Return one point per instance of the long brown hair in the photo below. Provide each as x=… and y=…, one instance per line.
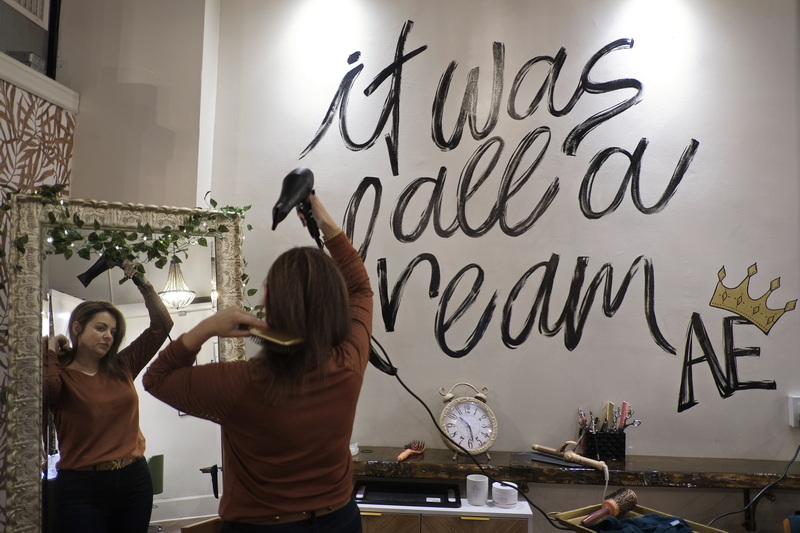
x=306, y=296
x=83, y=314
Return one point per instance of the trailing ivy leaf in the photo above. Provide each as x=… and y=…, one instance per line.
x=160, y=246
x=20, y=243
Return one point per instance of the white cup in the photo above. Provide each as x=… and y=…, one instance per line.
x=504, y=495
x=477, y=489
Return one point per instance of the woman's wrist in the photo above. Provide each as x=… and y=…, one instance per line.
x=194, y=339
x=330, y=234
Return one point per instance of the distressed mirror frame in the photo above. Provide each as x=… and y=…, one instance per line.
x=25, y=450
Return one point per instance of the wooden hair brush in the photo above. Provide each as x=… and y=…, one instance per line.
x=619, y=502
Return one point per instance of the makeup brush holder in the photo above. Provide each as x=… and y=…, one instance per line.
x=605, y=446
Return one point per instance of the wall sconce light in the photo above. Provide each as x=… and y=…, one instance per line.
x=176, y=293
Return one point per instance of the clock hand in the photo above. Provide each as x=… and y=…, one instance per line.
x=471, y=436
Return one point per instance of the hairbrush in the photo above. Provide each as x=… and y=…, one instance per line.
x=619, y=502
x=276, y=340
x=415, y=446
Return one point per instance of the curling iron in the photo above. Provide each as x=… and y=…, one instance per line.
x=571, y=456
x=297, y=185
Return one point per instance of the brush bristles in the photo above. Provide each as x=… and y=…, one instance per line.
x=618, y=502
x=625, y=499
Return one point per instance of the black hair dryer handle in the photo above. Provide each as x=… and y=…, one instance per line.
x=311, y=224
x=213, y=469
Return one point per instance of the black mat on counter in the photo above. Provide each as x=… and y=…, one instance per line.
x=407, y=492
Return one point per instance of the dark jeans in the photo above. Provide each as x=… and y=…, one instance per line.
x=109, y=501
x=345, y=520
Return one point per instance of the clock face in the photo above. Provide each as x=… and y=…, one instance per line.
x=470, y=424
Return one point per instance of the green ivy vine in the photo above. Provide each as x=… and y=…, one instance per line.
x=69, y=235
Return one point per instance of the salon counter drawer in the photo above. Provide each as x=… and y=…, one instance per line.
x=382, y=522
x=473, y=524
x=465, y=519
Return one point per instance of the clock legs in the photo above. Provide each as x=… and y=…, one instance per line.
x=488, y=457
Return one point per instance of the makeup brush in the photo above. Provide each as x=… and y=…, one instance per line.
x=619, y=502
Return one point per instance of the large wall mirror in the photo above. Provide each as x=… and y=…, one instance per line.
x=27, y=291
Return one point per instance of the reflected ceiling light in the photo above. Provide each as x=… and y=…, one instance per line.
x=176, y=293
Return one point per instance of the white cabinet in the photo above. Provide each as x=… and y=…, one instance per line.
x=465, y=519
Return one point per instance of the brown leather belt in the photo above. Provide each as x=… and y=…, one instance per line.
x=116, y=464
x=305, y=515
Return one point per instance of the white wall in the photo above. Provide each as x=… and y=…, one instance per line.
x=137, y=66
x=721, y=72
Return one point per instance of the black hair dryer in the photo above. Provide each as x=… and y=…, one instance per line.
x=297, y=186
x=100, y=266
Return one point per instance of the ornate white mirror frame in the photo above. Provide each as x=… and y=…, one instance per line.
x=25, y=449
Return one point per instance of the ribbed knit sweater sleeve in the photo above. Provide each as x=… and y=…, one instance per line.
x=137, y=354
x=207, y=391
x=360, y=294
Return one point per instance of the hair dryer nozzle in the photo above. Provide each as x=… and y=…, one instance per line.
x=93, y=271
x=100, y=266
x=296, y=187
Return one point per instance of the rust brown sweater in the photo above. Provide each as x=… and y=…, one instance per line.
x=97, y=417
x=277, y=459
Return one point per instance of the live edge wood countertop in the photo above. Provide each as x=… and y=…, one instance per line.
x=635, y=470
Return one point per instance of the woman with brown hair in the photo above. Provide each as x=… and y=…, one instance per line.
x=103, y=483
x=286, y=414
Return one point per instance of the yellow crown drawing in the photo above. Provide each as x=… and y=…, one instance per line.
x=738, y=300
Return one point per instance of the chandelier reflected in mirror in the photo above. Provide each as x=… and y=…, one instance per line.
x=176, y=293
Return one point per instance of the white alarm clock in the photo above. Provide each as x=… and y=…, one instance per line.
x=468, y=423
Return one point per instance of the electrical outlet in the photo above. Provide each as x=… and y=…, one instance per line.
x=794, y=411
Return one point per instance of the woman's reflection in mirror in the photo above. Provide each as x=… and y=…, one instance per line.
x=103, y=483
